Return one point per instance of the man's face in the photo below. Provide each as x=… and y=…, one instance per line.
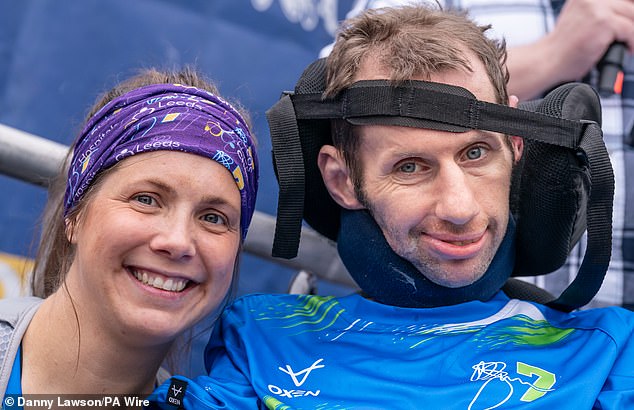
x=441, y=199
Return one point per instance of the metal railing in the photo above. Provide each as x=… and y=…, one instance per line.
x=36, y=160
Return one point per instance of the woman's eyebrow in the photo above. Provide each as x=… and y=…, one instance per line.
x=208, y=199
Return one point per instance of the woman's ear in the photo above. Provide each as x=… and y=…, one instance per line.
x=69, y=229
x=337, y=179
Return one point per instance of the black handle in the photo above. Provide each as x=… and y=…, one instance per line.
x=611, y=70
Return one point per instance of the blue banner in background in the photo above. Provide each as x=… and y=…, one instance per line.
x=56, y=57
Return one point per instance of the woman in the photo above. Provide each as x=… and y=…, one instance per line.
x=160, y=191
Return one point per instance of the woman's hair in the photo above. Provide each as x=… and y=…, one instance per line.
x=440, y=40
x=55, y=253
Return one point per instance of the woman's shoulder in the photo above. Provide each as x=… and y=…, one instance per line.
x=13, y=309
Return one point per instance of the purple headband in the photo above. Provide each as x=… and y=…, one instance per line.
x=169, y=117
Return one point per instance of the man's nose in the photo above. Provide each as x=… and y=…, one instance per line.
x=455, y=199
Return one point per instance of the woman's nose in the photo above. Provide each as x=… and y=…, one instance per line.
x=174, y=237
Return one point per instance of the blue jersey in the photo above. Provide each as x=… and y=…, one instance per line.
x=312, y=352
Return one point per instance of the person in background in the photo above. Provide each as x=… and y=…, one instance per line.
x=553, y=42
x=160, y=188
x=427, y=230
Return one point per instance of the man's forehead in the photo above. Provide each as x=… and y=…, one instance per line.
x=477, y=81
x=405, y=137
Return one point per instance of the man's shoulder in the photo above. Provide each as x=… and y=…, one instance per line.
x=611, y=316
x=615, y=322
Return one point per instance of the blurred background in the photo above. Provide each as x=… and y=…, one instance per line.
x=56, y=57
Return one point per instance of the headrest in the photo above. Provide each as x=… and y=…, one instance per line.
x=562, y=186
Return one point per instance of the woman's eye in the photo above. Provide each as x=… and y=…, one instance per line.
x=214, y=219
x=144, y=199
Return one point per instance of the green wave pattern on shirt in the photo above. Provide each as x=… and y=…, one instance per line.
x=524, y=331
x=272, y=403
x=518, y=323
x=518, y=330
x=313, y=313
x=520, y=327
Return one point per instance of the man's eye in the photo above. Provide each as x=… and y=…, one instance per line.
x=408, y=167
x=474, y=153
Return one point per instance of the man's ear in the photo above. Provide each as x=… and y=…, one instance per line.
x=337, y=179
x=516, y=142
x=518, y=147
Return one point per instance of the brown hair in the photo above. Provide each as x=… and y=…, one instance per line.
x=409, y=41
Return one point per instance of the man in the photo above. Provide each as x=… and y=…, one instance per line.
x=426, y=230
x=578, y=35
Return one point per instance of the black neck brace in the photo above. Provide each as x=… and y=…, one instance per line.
x=389, y=279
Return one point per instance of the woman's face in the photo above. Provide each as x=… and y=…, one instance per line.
x=156, y=245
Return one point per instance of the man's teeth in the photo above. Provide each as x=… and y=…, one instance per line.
x=461, y=243
x=172, y=285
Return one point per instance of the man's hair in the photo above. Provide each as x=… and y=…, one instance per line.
x=408, y=41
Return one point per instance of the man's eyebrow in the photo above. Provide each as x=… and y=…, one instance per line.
x=486, y=135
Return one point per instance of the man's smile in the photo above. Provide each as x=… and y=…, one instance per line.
x=453, y=247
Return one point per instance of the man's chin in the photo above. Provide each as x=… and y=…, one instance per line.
x=453, y=276
x=454, y=283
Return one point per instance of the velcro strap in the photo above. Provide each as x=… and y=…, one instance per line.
x=599, y=224
x=290, y=173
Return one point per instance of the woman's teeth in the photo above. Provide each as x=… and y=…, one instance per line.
x=172, y=285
